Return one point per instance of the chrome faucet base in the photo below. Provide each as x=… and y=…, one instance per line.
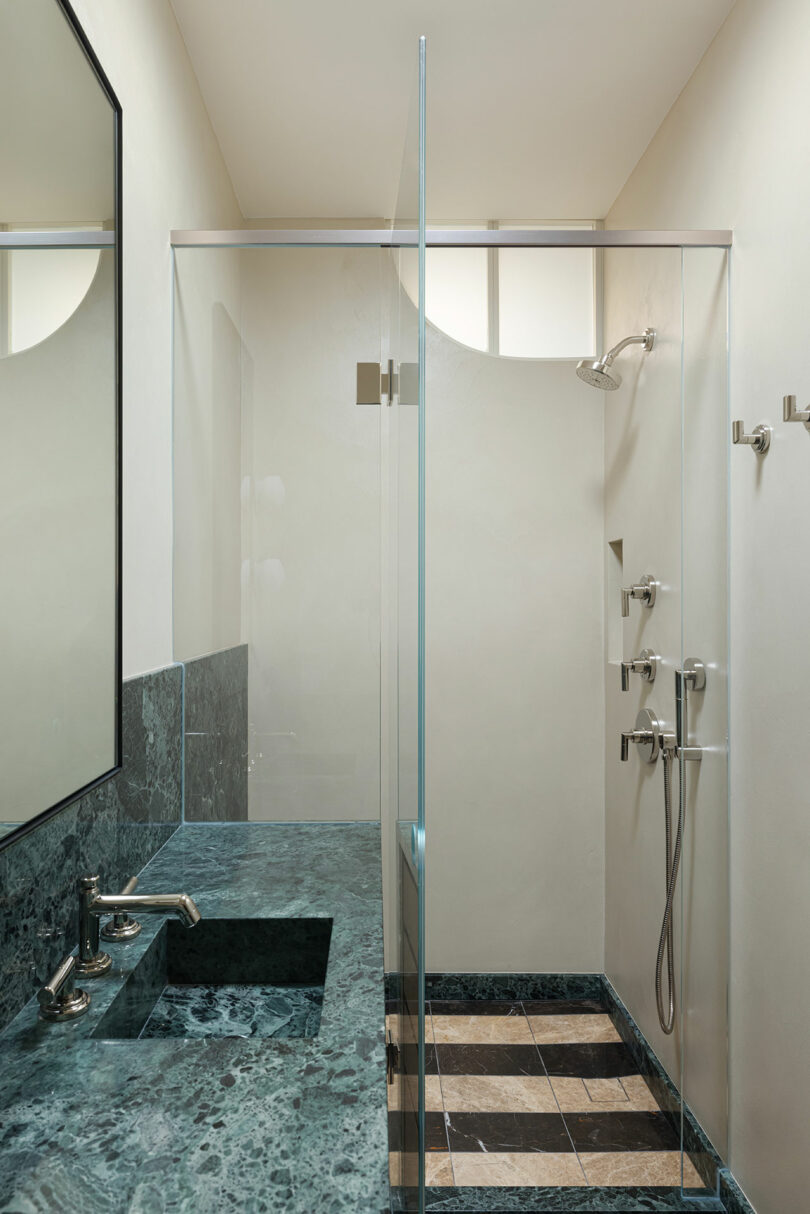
x=59, y=999
x=67, y=1007
x=122, y=926
x=99, y=963
x=116, y=932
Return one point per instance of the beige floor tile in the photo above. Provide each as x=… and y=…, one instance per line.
x=403, y=1168
x=602, y=1090
x=498, y=1094
x=438, y=1169
x=561, y=1029
x=640, y=1096
x=574, y=1097
x=482, y=1030
x=404, y=1092
x=637, y=1168
x=529, y=1168
x=404, y=1029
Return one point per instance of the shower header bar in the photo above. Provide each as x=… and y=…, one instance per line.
x=93, y=238
x=454, y=238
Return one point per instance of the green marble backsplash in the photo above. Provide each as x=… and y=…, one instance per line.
x=216, y=730
x=113, y=831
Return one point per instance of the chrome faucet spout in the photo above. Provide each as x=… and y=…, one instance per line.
x=93, y=905
x=147, y=904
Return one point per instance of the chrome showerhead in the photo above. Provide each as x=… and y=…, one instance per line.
x=596, y=374
x=599, y=372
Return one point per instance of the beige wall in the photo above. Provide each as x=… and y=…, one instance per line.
x=311, y=532
x=515, y=721
x=732, y=152
x=647, y=513
x=207, y=419
x=174, y=177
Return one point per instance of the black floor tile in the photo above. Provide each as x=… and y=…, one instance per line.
x=409, y=1059
x=475, y=1007
x=489, y=1060
x=591, y=1060
x=564, y=1007
x=402, y=1132
x=621, y=1132
x=507, y=1132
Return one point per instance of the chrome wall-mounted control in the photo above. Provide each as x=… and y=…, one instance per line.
x=644, y=590
x=60, y=999
x=122, y=926
x=649, y=735
x=691, y=678
x=645, y=665
x=759, y=439
x=791, y=414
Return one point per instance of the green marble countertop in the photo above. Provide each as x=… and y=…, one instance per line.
x=230, y=1124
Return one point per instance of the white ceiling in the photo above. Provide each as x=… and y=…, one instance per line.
x=536, y=108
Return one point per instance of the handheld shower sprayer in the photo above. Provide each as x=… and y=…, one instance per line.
x=598, y=372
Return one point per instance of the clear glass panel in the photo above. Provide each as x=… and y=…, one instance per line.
x=704, y=874
x=277, y=514
x=405, y=675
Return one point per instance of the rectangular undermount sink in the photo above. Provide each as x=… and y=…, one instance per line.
x=225, y=978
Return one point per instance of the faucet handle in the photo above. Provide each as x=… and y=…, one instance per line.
x=122, y=926
x=759, y=439
x=791, y=414
x=645, y=665
x=644, y=590
x=648, y=735
x=59, y=999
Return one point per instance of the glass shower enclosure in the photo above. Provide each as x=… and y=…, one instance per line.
x=334, y=534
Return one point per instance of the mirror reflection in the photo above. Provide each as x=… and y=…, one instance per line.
x=58, y=415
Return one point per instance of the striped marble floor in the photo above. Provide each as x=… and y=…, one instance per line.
x=538, y=1094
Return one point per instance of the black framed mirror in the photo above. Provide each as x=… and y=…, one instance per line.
x=60, y=416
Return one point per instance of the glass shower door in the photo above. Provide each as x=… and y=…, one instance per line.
x=405, y=820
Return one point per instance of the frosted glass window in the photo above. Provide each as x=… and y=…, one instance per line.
x=520, y=303
x=456, y=294
x=546, y=303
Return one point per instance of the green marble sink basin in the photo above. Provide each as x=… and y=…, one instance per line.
x=225, y=978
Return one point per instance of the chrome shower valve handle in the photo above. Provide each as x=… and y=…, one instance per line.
x=645, y=665
x=649, y=735
x=644, y=590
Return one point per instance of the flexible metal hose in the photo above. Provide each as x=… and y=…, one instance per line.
x=673, y=862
